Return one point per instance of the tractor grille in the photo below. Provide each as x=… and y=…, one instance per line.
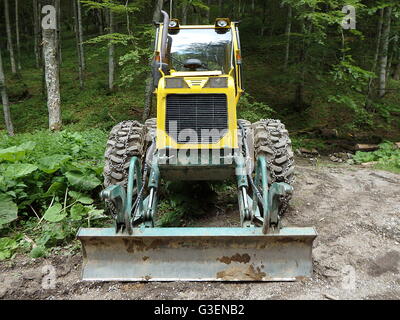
x=206, y=115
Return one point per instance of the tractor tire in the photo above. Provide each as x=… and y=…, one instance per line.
x=271, y=139
x=125, y=141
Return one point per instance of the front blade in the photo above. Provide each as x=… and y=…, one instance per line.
x=196, y=254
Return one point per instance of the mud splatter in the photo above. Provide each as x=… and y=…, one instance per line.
x=241, y=258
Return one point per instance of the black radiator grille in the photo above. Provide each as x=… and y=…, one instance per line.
x=197, y=112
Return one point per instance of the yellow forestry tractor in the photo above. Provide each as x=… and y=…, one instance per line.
x=197, y=72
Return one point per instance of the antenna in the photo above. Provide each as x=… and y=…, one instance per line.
x=170, y=8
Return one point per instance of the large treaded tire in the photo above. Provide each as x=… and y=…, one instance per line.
x=125, y=141
x=271, y=139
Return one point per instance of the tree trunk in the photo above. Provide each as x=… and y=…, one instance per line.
x=148, y=101
x=17, y=34
x=78, y=48
x=58, y=33
x=9, y=37
x=81, y=36
x=288, y=30
x=384, y=51
x=299, y=93
x=368, y=102
x=52, y=78
x=111, y=53
x=99, y=14
x=36, y=32
x=396, y=75
x=208, y=11
x=4, y=99
x=184, y=13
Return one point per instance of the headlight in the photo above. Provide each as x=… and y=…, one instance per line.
x=175, y=83
x=217, y=83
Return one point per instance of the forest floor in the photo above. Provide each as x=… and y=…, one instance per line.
x=354, y=209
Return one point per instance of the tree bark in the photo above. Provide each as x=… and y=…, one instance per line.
x=288, y=30
x=384, y=51
x=9, y=37
x=17, y=34
x=4, y=99
x=52, y=78
x=83, y=63
x=368, y=102
x=148, y=101
x=111, y=53
x=58, y=31
x=36, y=32
x=184, y=13
x=78, y=48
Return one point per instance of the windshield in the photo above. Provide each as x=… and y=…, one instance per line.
x=200, y=50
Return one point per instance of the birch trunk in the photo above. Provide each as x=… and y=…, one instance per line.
x=288, y=30
x=4, y=99
x=52, y=78
x=9, y=37
x=111, y=53
x=17, y=34
x=78, y=51
x=384, y=51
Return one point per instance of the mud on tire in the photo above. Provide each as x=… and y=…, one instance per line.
x=125, y=141
x=271, y=139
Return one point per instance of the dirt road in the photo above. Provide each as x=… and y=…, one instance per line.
x=355, y=210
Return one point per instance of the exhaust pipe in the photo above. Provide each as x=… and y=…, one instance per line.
x=164, y=36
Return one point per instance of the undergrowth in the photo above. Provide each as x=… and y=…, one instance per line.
x=387, y=157
x=48, y=186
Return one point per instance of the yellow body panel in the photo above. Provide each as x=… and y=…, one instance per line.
x=233, y=92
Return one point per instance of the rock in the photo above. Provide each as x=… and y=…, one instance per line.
x=308, y=151
x=397, y=145
x=333, y=158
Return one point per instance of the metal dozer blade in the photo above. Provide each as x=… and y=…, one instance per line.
x=260, y=250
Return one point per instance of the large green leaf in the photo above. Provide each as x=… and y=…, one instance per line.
x=80, y=197
x=19, y=170
x=55, y=213
x=7, y=246
x=82, y=180
x=79, y=211
x=16, y=153
x=8, y=210
x=52, y=163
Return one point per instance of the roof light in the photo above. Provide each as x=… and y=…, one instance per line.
x=173, y=23
x=222, y=23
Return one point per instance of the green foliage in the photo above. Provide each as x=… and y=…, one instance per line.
x=47, y=185
x=7, y=247
x=387, y=157
x=251, y=110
